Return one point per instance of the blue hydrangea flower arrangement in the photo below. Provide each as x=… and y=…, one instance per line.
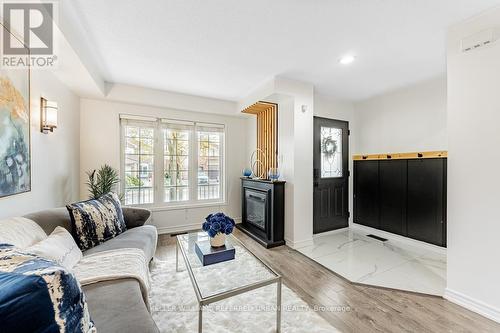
x=218, y=223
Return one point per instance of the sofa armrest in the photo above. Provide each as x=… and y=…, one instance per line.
x=135, y=217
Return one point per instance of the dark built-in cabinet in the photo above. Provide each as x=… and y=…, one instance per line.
x=366, y=193
x=393, y=180
x=404, y=197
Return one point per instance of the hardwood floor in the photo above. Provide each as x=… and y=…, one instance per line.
x=370, y=309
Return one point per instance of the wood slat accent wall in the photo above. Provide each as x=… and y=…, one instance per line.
x=401, y=156
x=267, y=134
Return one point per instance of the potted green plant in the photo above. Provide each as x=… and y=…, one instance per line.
x=102, y=181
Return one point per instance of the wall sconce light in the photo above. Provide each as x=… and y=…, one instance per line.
x=48, y=115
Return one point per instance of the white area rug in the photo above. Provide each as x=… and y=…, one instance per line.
x=174, y=307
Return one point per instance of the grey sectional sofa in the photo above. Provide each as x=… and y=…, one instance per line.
x=115, y=306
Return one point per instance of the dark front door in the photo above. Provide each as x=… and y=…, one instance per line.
x=331, y=174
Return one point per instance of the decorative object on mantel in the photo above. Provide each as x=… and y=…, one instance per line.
x=15, y=150
x=258, y=160
x=102, y=181
x=247, y=172
x=217, y=226
x=274, y=174
x=48, y=115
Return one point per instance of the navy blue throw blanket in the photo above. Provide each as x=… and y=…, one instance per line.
x=37, y=295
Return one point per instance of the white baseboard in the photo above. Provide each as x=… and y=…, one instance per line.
x=299, y=244
x=178, y=229
x=184, y=227
x=472, y=304
x=398, y=238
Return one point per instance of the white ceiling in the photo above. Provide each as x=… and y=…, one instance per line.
x=226, y=48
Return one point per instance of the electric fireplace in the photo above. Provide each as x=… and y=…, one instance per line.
x=263, y=211
x=256, y=208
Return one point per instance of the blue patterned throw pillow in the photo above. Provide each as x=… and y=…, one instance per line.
x=36, y=295
x=96, y=221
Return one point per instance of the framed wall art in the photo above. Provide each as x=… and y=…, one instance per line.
x=15, y=140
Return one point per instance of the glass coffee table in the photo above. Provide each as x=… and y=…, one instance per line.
x=244, y=273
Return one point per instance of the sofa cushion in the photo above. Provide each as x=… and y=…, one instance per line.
x=36, y=295
x=20, y=232
x=135, y=217
x=59, y=247
x=96, y=221
x=49, y=219
x=117, y=307
x=144, y=237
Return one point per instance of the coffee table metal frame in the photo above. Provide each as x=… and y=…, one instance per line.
x=203, y=301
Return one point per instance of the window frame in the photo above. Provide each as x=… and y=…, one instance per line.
x=222, y=167
x=141, y=123
x=159, y=124
x=165, y=126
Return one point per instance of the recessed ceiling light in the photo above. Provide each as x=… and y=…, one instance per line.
x=346, y=60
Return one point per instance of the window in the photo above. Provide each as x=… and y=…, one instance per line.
x=209, y=164
x=331, y=152
x=171, y=162
x=176, y=164
x=139, y=164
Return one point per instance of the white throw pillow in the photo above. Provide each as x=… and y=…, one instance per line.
x=20, y=232
x=59, y=247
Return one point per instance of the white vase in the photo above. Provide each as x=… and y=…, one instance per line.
x=219, y=240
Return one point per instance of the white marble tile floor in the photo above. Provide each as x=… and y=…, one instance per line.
x=390, y=264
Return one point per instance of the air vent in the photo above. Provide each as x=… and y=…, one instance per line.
x=480, y=39
x=177, y=234
x=377, y=238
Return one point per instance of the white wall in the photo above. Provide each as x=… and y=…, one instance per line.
x=286, y=143
x=54, y=157
x=295, y=149
x=327, y=107
x=473, y=178
x=303, y=162
x=100, y=144
x=407, y=120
